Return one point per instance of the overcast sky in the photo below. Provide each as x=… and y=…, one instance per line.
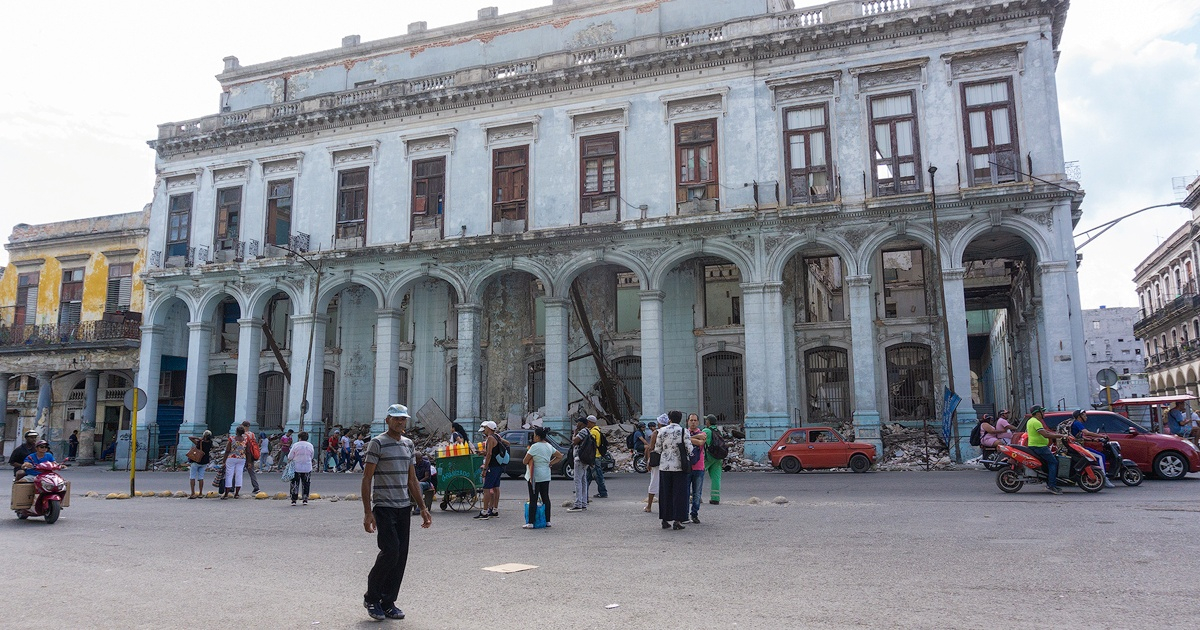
x=85, y=84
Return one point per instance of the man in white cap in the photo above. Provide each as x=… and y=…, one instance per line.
x=389, y=491
x=495, y=449
x=17, y=458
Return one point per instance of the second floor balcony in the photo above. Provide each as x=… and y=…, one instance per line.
x=1179, y=309
x=82, y=334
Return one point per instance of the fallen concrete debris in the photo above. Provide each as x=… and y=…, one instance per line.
x=913, y=448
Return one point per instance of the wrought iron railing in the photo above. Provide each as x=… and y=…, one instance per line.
x=68, y=334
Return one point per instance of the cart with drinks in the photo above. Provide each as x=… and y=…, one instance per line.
x=459, y=478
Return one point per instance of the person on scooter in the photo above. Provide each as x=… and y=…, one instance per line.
x=1079, y=432
x=1038, y=440
x=41, y=453
x=17, y=458
x=1000, y=432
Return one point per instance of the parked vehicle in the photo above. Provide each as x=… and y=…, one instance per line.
x=819, y=447
x=47, y=495
x=1077, y=467
x=1162, y=455
x=1118, y=467
x=519, y=441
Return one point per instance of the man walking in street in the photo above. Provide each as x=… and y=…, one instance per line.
x=302, y=460
x=581, y=486
x=712, y=465
x=389, y=491
x=1039, y=442
x=252, y=454
x=597, y=469
x=493, y=449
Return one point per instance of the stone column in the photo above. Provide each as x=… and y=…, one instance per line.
x=558, y=319
x=301, y=359
x=467, y=398
x=1058, y=352
x=653, y=383
x=959, y=357
x=862, y=334
x=87, y=428
x=245, y=406
x=195, y=392
x=387, y=367
x=316, y=377
x=148, y=375
x=45, y=397
x=766, y=391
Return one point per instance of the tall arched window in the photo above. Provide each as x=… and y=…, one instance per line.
x=910, y=382
x=270, y=400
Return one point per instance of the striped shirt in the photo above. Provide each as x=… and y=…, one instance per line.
x=392, y=459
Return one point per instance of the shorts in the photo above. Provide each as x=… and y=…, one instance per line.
x=492, y=478
x=195, y=471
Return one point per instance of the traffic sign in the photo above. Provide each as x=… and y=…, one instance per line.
x=1106, y=377
x=141, y=399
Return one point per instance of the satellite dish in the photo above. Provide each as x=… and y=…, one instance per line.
x=1106, y=377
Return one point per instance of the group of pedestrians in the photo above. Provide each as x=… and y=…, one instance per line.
x=679, y=459
x=344, y=451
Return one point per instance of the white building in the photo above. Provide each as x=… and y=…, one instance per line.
x=736, y=195
x=1112, y=345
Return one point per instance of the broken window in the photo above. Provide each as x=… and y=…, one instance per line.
x=910, y=382
x=402, y=385
x=70, y=305
x=696, y=167
x=539, y=308
x=824, y=297
x=279, y=212
x=537, y=386
x=429, y=186
x=179, y=222
x=510, y=180
x=904, y=291
x=328, y=392
x=807, y=140
x=229, y=313
x=27, y=299
x=229, y=211
x=120, y=288
x=629, y=303
x=722, y=295
x=895, y=145
x=278, y=313
x=991, y=132
x=599, y=174
x=331, y=323
x=352, y=203
x=827, y=384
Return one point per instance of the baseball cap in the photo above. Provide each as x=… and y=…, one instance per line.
x=1036, y=409
x=398, y=411
x=31, y=432
x=488, y=424
x=591, y=419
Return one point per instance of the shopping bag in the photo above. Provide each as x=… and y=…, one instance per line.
x=289, y=471
x=539, y=519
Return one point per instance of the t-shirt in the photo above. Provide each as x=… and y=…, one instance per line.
x=541, y=452
x=1175, y=421
x=206, y=448
x=301, y=456
x=33, y=458
x=1077, y=428
x=236, y=449
x=596, y=436
x=392, y=458
x=285, y=444
x=345, y=442
x=358, y=445
x=1034, y=438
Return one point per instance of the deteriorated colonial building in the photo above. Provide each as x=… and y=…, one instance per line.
x=70, y=313
x=725, y=206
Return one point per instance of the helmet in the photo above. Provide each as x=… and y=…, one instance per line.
x=41, y=443
x=1077, y=413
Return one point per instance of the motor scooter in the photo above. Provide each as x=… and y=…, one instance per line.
x=991, y=458
x=50, y=491
x=639, y=462
x=1118, y=468
x=1076, y=467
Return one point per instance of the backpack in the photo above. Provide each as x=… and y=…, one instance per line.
x=602, y=447
x=976, y=434
x=587, y=449
x=500, y=452
x=717, y=448
x=252, y=448
x=630, y=442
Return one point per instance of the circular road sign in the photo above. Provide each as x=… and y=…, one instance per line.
x=1106, y=377
x=141, y=399
x=1108, y=393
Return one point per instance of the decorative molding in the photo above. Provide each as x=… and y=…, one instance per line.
x=1045, y=219
x=950, y=229
x=386, y=276
x=28, y=263
x=183, y=179
x=772, y=243
x=594, y=34
x=71, y=259
x=745, y=244
x=279, y=164
x=688, y=104
x=228, y=173
x=650, y=255
x=553, y=262
x=354, y=153
x=468, y=269
x=609, y=115
x=437, y=141
x=1052, y=266
x=996, y=216
x=196, y=292
x=806, y=86
x=985, y=61
x=856, y=237
x=877, y=77
x=502, y=131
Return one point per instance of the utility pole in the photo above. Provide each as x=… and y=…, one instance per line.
x=937, y=252
x=312, y=328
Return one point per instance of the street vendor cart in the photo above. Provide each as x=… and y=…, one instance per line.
x=460, y=481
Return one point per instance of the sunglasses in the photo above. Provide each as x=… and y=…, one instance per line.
x=42, y=446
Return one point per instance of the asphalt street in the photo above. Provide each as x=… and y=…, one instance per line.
x=876, y=550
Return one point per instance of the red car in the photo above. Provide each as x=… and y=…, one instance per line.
x=819, y=447
x=1165, y=456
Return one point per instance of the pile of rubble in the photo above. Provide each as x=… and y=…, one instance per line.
x=623, y=458
x=913, y=448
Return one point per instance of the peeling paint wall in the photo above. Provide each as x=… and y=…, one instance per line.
x=356, y=331
x=508, y=307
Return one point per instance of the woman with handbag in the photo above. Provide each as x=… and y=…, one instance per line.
x=198, y=458
x=652, y=460
x=235, y=463
x=674, y=451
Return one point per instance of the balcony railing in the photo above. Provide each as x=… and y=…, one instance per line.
x=1185, y=302
x=68, y=334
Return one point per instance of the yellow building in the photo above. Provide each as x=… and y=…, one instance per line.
x=70, y=326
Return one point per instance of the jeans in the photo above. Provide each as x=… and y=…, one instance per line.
x=696, y=483
x=539, y=489
x=596, y=473
x=301, y=482
x=328, y=456
x=392, y=527
x=196, y=471
x=581, y=489
x=253, y=476
x=1051, y=462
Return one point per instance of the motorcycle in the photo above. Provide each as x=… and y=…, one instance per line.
x=49, y=492
x=1076, y=467
x=1119, y=468
x=992, y=459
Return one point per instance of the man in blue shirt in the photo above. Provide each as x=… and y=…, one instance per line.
x=1178, y=422
x=41, y=453
x=1079, y=432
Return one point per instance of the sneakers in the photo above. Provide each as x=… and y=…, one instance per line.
x=715, y=501
x=306, y=502
x=548, y=526
x=696, y=519
x=1054, y=489
x=391, y=612
x=1109, y=484
x=482, y=516
x=527, y=526
x=600, y=496
x=493, y=514
x=577, y=509
x=293, y=503
x=375, y=610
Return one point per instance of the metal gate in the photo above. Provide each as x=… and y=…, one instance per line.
x=910, y=382
x=402, y=388
x=270, y=400
x=827, y=385
x=724, y=387
x=537, y=386
x=629, y=372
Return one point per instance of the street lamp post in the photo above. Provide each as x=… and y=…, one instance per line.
x=937, y=253
x=312, y=328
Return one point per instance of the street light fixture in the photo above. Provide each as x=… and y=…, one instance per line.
x=941, y=280
x=312, y=328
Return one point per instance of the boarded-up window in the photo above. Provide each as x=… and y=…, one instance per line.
x=352, y=204
x=599, y=173
x=696, y=160
x=537, y=386
x=910, y=382
x=429, y=186
x=70, y=304
x=179, y=224
x=27, y=299
x=510, y=181
x=120, y=287
x=270, y=400
x=279, y=212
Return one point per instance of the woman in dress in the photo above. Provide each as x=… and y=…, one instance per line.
x=673, y=474
x=235, y=463
x=539, y=459
x=196, y=469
